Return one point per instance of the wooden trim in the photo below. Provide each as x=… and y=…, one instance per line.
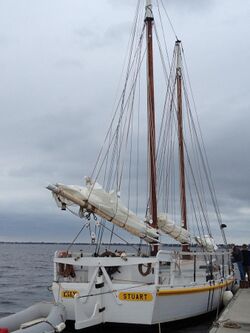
x=188, y=290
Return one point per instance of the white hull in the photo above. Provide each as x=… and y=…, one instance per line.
x=169, y=292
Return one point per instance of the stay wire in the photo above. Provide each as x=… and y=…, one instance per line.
x=112, y=139
x=121, y=238
x=128, y=128
x=115, y=290
x=196, y=159
x=120, y=100
x=170, y=22
x=205, y=155
x=71, y=244
x=205, y=168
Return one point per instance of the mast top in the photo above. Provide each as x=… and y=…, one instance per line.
x=178, y=50
x=149, y=12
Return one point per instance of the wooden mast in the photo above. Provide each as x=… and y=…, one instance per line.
x=149, y=19
x=183, y=202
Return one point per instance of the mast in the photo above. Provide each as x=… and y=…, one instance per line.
x=183, y=202
x=149, y=19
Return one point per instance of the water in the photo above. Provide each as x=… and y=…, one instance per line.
x=26, y=272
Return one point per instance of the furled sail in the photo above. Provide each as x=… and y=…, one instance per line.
x=93, y=198
x=169, y=227
x=207, y=242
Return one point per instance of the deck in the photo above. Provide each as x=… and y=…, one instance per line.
x=236, y=316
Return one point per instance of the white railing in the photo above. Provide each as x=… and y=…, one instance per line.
x=192, y=266
x=168, y=267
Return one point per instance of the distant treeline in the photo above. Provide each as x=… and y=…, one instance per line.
x=104, y=244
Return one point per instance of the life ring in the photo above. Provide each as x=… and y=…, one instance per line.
x=148, y=270
x=65, y=270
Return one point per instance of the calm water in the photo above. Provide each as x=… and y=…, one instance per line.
x=26, y=272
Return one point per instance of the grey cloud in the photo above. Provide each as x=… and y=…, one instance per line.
x=114, y=34
x=69, y=63
x=183, y=5
x=128, y=3
x=58, y=80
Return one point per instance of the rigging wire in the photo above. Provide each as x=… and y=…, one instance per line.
x=119, y=139
x=73, y=241
x=113, y=137
x=192, y=172
x=132, y=36
x=163, y=33
x=138, y=145
x=128, y=128
x=205, y=159
x=201, y=200
x=124, y=240
x=170, y=22
x=196, y=160
x=114, y=290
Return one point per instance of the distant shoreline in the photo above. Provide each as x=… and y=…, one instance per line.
x=53, y=243
x=104, y=244
x=66, y=243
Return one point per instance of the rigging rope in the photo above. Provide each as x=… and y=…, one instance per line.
x=202, y=149
x=117, y=160
x=170, y=23
x=71, y=244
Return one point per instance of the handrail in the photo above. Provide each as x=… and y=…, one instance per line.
x=193, y=253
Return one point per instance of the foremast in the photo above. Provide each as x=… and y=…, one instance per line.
x=149, y=19
x=183, y=201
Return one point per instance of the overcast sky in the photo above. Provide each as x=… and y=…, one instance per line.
x=60, y=64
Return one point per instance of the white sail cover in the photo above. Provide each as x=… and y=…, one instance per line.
x=104, y=204
x=169, y=227
x=207, y=243
x=109, y=206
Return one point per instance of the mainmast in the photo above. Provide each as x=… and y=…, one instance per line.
x=183, y=202
x=149, y=19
